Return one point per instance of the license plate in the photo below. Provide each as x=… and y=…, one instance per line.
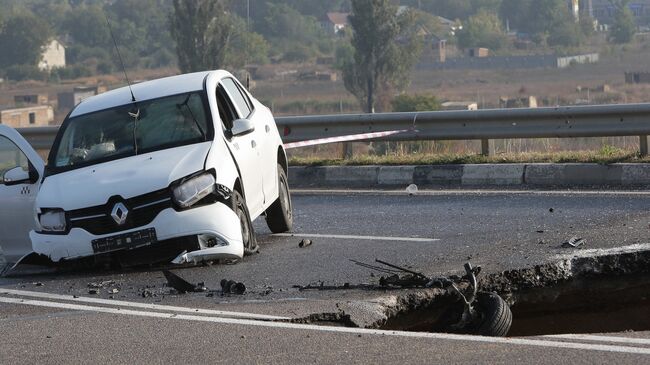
x=125, y=241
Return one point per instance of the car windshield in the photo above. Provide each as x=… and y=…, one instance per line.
x=132, y=129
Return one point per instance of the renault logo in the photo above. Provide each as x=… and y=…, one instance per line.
x=119, y=214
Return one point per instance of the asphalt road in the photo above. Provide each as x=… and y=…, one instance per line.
x=433, y=232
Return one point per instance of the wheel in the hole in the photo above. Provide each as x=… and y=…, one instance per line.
x=495, y=315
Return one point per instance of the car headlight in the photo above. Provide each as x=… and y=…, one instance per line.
x=53, y=221
x=194, y=190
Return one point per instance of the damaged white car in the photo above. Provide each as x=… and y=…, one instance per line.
x=177, y=167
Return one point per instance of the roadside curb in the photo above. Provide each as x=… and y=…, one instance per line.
x=543, y=174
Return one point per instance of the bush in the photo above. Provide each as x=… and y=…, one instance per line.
x=105, y=67
x=72, y=72
x=25, y=72
x=415, y=103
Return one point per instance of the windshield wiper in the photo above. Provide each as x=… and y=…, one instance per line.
x=196, y=122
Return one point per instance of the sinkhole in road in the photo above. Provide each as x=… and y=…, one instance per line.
x=595, y=291
x=599, y=304
x=585, y=305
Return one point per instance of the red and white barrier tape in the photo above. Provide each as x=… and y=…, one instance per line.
x=355, y=137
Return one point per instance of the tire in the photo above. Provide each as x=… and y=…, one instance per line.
x=496, y=317
x=238, y=205
x=279, y=216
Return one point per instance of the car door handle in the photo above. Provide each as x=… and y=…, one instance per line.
x=253, y=144
x=267, y=128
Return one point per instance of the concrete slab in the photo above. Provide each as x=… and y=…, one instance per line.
x=353, y=176
x=306, y=176
x=438, y=175
x=635, y=174
x=396, y=175
x=544, y=174
x=490, y=175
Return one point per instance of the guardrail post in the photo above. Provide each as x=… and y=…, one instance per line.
x=643, y=144
x=487, y=147
x=347, y=150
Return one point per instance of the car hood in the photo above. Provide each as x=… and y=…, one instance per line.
x=128, y=177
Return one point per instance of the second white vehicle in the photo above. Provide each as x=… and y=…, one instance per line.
x=182, y=165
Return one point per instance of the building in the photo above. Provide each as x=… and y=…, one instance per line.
x=31, y=99
x=53, y=56
x=604, y=11
x=335, y=22
x=33, y=116
x=68, y=100
x=637, y=77
x=524, y=102
x=459, y=105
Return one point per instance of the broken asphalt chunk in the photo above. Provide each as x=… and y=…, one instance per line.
x=304, y=243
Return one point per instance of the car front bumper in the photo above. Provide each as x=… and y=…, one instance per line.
x=216, y=220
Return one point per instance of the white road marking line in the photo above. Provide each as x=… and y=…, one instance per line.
x=351, y=330
x=453, y=192
x=351, y=237
x=638, y=341
x=122, y=303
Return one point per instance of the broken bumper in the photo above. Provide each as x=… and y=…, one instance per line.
x=216, y=220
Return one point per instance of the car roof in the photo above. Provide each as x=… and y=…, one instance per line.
x=147, y=90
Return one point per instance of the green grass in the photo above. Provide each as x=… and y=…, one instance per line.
x=601, y=157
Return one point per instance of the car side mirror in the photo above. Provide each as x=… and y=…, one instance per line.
x=16, y=176
x=242, y=127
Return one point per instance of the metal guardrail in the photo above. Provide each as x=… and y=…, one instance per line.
x=560, y=122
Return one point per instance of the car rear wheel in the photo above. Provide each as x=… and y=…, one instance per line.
x=279, y=216
x=247, y=232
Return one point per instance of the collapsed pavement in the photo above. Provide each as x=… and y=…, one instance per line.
x=580, y=290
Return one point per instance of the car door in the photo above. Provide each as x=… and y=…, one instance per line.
x=244, y=148
x=21, y=171
x=268, y=147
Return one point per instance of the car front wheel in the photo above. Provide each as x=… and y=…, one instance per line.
x=279, y=216
x=247, y=232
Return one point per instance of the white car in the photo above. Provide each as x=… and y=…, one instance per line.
x=182, y=165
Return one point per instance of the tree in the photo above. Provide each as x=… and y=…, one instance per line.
x=624, y=27
x=202, y=31
x=385, y=49
x=246, y=47
x=87, y=26
x=22, y=39
x=482, y=30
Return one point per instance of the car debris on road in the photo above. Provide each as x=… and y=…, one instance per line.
x=574, y=242
x=232, y=287
x=305, y=243
x=181, y=285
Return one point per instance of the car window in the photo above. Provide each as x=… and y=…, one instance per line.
x=227, y=112
x=238, y=98
x=113, y=133
x=11, y=156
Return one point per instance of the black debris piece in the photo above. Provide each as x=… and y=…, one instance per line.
x=181, y=285
x=232, y=287
x=304, y=243
x=551, y=210
x=93, y=291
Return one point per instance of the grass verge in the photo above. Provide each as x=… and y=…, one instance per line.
x=450, y=159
